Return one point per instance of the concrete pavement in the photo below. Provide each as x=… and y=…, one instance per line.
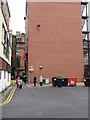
x=50, y=85
x=48, y=102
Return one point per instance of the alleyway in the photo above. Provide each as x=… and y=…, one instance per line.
x=48, y=103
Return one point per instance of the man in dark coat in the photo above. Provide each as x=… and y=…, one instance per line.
x=24, y=78
x=35, y=80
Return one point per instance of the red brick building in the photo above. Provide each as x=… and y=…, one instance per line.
x=55, y=46
x=20, y=53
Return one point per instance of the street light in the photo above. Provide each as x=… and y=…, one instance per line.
x=31, y=70
x=40, y=67
x=38, y=27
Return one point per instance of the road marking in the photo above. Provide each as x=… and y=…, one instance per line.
x=9, y=97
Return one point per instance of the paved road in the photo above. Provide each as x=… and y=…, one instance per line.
x=48, y=103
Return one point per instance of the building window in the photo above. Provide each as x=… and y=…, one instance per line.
x=85, y=57
x=5, y=42
x=0, y=74
x=18, y=52
x=4, y=74
x=89, y=44
x=26, y=7
x=8, y=76
x=85, y=44
x=18, y=61
x=6, y=45
x=19, y=45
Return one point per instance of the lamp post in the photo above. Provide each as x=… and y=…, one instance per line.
x=31, y=70
x=40, y=67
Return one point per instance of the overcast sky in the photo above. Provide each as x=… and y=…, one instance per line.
x=17, y=10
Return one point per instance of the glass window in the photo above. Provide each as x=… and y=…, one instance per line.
x=85, y=44
x=4, y=74
x=89, y=44
x=8, y=76
x=18, y=61
x=18, y=52
x=0, y=74
x=86, y=57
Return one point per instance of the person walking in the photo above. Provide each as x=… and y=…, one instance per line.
x=17, y=81
x=12, y=78
x=41, y=80
x=21, y=83
x=34, y=80
x=24, y=78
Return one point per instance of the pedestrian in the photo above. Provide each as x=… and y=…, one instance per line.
x=41, y=80
x=12, y=78
x=35, y=80
x=24, y=78
x=17, y=81
x=21, y=83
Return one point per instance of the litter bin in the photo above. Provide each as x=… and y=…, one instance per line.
x=72, y=81
x=65, y=81
x=54, y=81
x=59, y=82
x=87, y=81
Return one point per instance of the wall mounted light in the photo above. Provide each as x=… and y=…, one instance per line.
x=40, y=67
x=31, y=69
x=38, y=27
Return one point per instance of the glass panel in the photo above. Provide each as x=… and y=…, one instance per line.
x=18, y=62
x=18, y=52
x=85, y=44
x=0, y=74
x=86, y=57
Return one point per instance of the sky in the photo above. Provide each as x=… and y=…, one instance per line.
x=17, y=10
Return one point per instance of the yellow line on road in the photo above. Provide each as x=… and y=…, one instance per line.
x=9, y=97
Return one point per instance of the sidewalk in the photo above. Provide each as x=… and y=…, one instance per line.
x=50, y=85
x=5, y=93
x=38, y=85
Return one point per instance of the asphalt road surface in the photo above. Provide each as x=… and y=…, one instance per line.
x=68, y=102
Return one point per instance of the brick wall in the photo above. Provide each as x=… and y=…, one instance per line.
x=58, y=45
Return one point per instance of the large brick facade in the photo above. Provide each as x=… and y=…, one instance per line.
x=20, y=53
x=57, y=46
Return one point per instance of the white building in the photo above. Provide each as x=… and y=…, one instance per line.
x=5, y=45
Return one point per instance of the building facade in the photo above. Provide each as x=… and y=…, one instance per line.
x=55, y=46
x=20, y=53
x=85, y=36
x=89, y=34
x=13, y=59
x=5, y=45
